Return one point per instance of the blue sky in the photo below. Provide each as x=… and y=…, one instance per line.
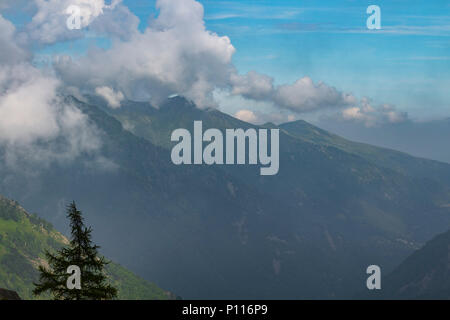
x=406, y=63
x=328, y=41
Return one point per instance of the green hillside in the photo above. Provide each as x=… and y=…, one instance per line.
x=23, y=239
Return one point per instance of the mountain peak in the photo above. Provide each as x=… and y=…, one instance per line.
x=269, y=125
x=178, y=102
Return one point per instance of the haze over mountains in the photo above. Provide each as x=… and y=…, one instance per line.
x=334, y=208
x=426, y=139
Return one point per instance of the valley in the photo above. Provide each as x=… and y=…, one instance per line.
x=309, y=232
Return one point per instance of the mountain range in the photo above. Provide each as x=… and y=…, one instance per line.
x=334, y=208
x=427, y=139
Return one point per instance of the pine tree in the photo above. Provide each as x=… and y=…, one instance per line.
x=83, y=253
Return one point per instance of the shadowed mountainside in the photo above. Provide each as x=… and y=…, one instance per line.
x=334, y=208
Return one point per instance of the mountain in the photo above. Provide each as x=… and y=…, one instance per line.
x=8, y=295
x=388, y=158
x=427, y=139
x=425, y=274
x=23, y=241
x=225, y=231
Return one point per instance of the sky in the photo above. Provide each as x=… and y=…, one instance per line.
x=259, y=60
x=406, y=63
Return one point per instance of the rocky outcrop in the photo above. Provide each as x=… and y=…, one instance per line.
x=8, y=295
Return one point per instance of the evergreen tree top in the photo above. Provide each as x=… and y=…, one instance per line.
x=82, y=253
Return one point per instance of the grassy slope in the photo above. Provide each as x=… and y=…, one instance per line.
x=23, y=239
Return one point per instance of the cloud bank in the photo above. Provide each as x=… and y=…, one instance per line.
x=49, y=22
x=11, y=52
x=112, y=98
x=257, y=117
x=35, y=124
x=175, y=54
x=371, y=116
x=301, y=96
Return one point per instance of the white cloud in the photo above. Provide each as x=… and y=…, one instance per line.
x=24, y=101
x=35, y=123
x=175, y=54
x=117, y=21
x=301, y=96
x=49, y=23
x=253, y=85
x=372, y=116
x=247, y=116
x=7, y=3
x=304, y=95
x=112, y=98
x=11, y=51
x=257, y=117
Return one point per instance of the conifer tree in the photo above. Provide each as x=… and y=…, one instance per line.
x=83, y=253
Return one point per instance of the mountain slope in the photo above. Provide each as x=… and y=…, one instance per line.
x=388, y=158
x=156, y=125
x=313, y=155
x=23, y=240
x=427, y=139
x=423, y=275
x=357, y=193
x=149, y=214
x=227, y=232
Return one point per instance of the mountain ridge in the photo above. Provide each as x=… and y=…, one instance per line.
x=423, y=275
x=224, y=231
